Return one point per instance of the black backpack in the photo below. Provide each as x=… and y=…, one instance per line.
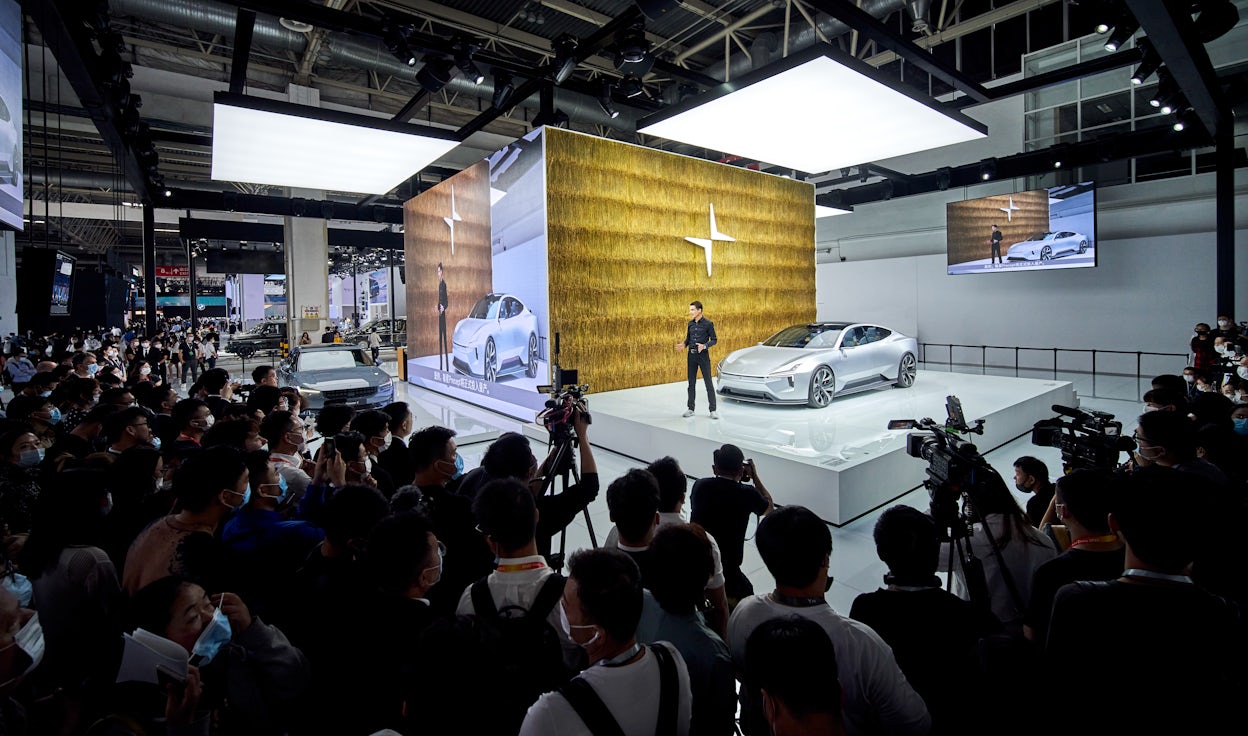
x=528, y=652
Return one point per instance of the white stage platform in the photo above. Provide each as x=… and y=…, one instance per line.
x=840, y=462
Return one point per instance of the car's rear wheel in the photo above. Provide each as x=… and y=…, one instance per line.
x=1046, y=253
x=822, y=387
x=491, y=360
x=530, y=368
x=244, y=351
x=1083, y=247
x=906, y=371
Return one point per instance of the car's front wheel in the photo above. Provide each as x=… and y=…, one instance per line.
x=491, y=360
x=1046, y=253
x=530, y=368
x=822, y=387
x=906, y=371
x=1083, y=247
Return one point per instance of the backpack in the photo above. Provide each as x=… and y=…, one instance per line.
x=528, y=652
x=597, y=717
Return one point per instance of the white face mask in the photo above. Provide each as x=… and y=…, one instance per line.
x=1148, y=408
x=1189, y=378
x=567, y=627
x=1224, y=323
x=145, y=370
x=1242, y=372
x=1220, y=349
x=29, y=639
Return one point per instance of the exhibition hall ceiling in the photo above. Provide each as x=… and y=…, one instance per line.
x=445, y=64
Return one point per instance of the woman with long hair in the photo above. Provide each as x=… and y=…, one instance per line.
x=1008, y=547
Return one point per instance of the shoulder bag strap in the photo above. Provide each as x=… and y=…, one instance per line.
x=548, y=597
x=482, y=599
x=669, y=691
x=592, y=711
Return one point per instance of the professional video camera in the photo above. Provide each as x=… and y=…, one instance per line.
x=1090, y=440
x=951, y=461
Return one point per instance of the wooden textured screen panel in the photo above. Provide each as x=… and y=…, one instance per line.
x=622, y=274
x=427, y=242
x=969, y=224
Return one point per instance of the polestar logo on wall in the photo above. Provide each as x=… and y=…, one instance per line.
x=706, y=243
x=1009, y=211
x=454, y=218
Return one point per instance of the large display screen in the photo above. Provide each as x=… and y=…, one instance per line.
x=62, y=284
x=1038, y=230
x=11, y=114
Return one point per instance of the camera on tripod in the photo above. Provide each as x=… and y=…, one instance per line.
x=1091, y=439
x=561, y=408
x=951, y=462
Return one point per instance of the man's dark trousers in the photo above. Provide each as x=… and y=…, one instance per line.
x=442, y=351
x=700, y=360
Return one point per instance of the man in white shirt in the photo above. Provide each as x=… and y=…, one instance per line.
x=796, y=546
x=284, y=431
x=645, y=689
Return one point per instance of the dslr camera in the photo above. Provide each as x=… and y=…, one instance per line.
x=1087, y=439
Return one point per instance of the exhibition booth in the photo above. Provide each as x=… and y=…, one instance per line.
x=571, y=250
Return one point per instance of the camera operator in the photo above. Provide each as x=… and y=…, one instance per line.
x=1019, y=545
x=1031, y=476
x=722, y=505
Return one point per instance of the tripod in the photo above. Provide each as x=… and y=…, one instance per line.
x=956, y=528
x=563, y=464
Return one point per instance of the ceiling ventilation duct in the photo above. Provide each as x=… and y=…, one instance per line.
x=918, y=10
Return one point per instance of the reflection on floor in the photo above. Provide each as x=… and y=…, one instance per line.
x=855, y=567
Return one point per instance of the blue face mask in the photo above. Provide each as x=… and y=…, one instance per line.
x=246, y=499
x=214, y=636
x=1241, y=425
x=93, y=368
x=54, y=416
x=30, y=458
x=459, y=466
x=281, y=484
x=156, y=443
x=45, y=394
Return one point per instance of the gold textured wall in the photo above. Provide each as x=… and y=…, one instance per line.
x=622, y=274
x=969, y=223
x=427, y=242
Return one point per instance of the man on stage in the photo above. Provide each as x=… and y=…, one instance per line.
x=443, y=353
x=699, y=337
x=996, y=244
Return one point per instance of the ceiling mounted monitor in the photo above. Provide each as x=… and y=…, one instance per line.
x=815, y=111
x=260, y=141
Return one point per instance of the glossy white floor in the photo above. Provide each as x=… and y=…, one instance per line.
x=855, y=567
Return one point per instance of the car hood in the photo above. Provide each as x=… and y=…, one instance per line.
x=336, y=379
x=762, y=359
x=467, y=328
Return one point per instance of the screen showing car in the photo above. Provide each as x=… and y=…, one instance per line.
x=62, y=284
x=11, y=115
x=1042, y=229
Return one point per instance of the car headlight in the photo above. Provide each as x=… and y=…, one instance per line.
x=387, y=383
x=785, y=371
x=308, y=391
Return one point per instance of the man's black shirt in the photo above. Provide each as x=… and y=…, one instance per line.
x=1069, y=566
x=1038, y=504
x=700, y=331
x=722, y=507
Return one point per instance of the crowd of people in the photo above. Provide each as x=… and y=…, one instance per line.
x=377, y=583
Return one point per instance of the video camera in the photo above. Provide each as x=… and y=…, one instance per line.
x=1090, y=440
x=951, y=462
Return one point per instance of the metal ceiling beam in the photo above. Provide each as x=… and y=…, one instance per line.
x=1083, y=69
x=1173, y=35
x=184, y=199
x=243, y=29
x=66, y=36
x=877, y=31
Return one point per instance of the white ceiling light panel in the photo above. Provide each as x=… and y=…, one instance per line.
x=822, y=211
x=814, y=111
x=277, y=143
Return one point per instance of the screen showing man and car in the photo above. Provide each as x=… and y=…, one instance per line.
x=1037, y=230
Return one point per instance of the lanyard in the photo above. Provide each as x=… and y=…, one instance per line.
x=1094, y=540
x=622, y=658
x=1149, y=574
x=785, y=600
x=521, y=566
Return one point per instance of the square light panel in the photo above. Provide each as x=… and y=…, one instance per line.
x=282, y=144
x=814, y=111
x=822, y=211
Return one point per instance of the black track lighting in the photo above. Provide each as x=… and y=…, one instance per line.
x=464, y=51
x=944, y=177
x=1214, y=19
x=565, y=57
x=1163, y=97
x=987, y=169
x=435, y=74
x=630, y=86
x=555, y=119
x=1149, y=63
x=632, y=46
x=1183, y=119
x=395, y=38
x=604, y=100
x=504, y=86
x=1122, y=33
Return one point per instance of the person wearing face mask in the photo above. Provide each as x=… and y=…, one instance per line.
x=405, y=558
x=130, y=428
x=637, y=685
x=19, y=479
x=1168, y=439
x=39, y=415
x=191, y=418
x=86, y=365
x=21, y=653
x=79, y=441
x=1189, y=380
x=1226, y=328
x=20, y=370
x=1031, y=476
x=438, y=466
x=1203, y=355
x=78, y=396
x=395, y=459
x=796, y=547
x=375, y=427
x=158, y=358
x=77, y=593
x=287, y=438
x=1239, y=419
x=210, y=487
x=251, y=675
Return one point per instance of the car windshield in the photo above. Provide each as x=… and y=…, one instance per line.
x=322, y=360
x=800, y=336
x=486, y=307
x=369, y=325
x=1041, y=236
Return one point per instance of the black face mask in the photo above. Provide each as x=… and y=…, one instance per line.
x=828, y=584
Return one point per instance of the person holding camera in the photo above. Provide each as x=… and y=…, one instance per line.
x=722, y=505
